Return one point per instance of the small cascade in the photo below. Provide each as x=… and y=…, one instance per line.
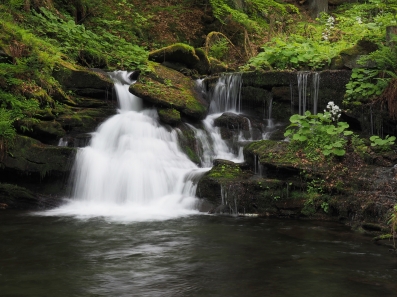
x=315, y=87
x=226, y=95
x=270, y=126
x=62, y=142
x=133, y=169
x=248, y=135
x=307, y=94
x=302, y=90
x=229, y=200
x=258, y=167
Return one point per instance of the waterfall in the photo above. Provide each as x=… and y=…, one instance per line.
x=226, y=94
x=133, y=169
x=302, y=90
x=307, y=99
x=316, y=87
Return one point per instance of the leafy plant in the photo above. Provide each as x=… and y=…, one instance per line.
x=364, y=84
x=89, y=48
x=7, y=131
x=319, y=132
x=384, y=144
x=295, y=52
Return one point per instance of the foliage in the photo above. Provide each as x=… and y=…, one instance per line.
x=313, y=45
x=384, y=144
x=91, y=49
x=295, y=52
x=256, y=15
x=7, y=131
x=219, y=49
x=365, y=84
x=358, y=145
x=318, y=133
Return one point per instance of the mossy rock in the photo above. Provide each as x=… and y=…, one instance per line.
x=350, y=57
x=89, y=83
x=232, y=121
x=167, y=88
x=48, y=132
x=169, y=116
x=204, y=65
x=29, y=157
x=77, y=121
x=188, y=143
x=178, y=52
x=217, y=66
x=15, y=197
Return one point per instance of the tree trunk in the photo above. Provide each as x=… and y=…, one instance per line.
x=317, y=6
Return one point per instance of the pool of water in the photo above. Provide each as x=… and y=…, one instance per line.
x=199, y=255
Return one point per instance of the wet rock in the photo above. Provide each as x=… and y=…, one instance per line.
x=179, y=52
x=169, y=116
x=84, y=82
x=38, y=167
x=48, y=132
x=232, y=121
x=167, y=88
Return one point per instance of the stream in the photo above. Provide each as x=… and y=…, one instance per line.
x=196, y=255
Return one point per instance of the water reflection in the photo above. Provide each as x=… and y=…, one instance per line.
x=194, y=256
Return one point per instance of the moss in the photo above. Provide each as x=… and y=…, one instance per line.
x=16, y=197
x=225, y=171
x=179, y=52
x=167, y=88
x=169, y=116
x=28, y=156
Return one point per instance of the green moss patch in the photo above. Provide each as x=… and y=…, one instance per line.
x=167, y=88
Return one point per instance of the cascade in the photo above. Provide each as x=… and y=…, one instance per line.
x=226, y=94
x=316, y=87
x=269, y=129
x=306, y=100
x=132, y=169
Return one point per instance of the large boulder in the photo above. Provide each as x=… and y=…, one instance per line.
x=180, y=56
x=167, y=88
x=84, y=82
x=42, y=169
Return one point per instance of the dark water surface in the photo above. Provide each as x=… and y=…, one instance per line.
x=193, y=256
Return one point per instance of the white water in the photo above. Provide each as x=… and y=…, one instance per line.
x=133, y=169
x=304, y=100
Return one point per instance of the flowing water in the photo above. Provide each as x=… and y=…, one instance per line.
x=199, y=255
x=132, y=227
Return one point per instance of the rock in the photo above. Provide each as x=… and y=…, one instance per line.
x=179, y=52
x=84, y=82
x=167, y=88
x=232, y=121
x=349, y=57
x=169, y=116
x=34, y=165
x=217, y=66
x=48, y=132
x=15, y=197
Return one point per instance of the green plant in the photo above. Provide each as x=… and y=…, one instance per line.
x=7, y=131
x=383, y=144
x=358, y=144
x=89, y=48
x=325, y=206
x=319, y=132
x=366, y=84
